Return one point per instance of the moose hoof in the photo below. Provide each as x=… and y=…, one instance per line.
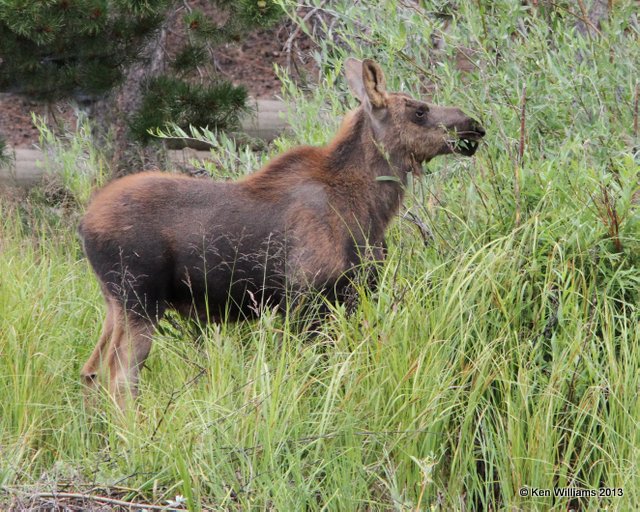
x=90, y=380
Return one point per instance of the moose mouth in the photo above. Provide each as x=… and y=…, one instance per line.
x=467, y=142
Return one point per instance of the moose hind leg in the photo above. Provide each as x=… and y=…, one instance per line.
x=92, y=368
x=129, y=348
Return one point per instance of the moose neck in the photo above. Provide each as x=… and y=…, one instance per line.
x=372, y=175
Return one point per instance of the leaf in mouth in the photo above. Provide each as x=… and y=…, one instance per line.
x=466, y=144
x=389, y=178
x=466, y=147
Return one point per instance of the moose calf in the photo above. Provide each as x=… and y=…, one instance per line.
x=304, y=221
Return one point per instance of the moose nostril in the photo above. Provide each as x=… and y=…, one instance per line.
x=478, y=128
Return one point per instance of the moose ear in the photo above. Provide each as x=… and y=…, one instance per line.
x=366, y=81
x=374, y=83
x=353, y=73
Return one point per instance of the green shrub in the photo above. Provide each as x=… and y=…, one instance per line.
x=168, y=100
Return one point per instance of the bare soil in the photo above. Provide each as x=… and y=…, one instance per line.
x=249, y=63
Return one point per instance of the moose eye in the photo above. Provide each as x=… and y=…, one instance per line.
x=418, y=114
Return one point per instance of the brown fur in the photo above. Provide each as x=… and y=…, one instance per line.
x=226, y=250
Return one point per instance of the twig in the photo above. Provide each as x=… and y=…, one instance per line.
x=104, y=499
x=407, y=58
x=588, y=335
x=427, y=235
x=585, y=14
x=610, y=218
x=414, y=6
x=175, y=394
x=484, y=21
x=469, y=58
x=329, y=435
x=519, y=163
x=635, y=113
x=584, y=19
x=289, y=44
x=523, y=104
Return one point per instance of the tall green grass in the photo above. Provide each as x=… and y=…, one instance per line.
x=502, y=355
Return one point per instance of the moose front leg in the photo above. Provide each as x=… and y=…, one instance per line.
x=130, y=345
x=91, y=369
x=376, y=255
x=364, y=275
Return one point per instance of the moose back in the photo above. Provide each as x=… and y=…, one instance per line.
x=224, y=249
